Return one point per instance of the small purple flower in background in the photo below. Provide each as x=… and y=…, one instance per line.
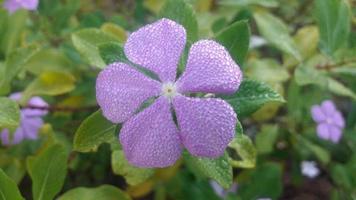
x=30, y=122
x=151, y=138
x=13, y=5
x=221, y=192
x=309, y=169
x=330, y=121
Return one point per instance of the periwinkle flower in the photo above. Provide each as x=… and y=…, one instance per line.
x=330, y=121
x=13, y=5
x=151, y=138
x=30, y=122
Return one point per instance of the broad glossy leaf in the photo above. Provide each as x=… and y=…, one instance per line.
x=218, y=169
x=244, y=147
x=86, y=42
x=333, y=18
x=48, y=171
x=112, y=52
x=8, y=188
x=182, y=13
x=276, y=33
x=251, y=96
x=94, y=130
x=133, y=175
x=104, y=192
x=50, y=83
x=9, y=113
x=235, y=38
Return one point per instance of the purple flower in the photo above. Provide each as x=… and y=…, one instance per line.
x=30, y=122
x=151, y=138
x=13, y=5
x=330, y=121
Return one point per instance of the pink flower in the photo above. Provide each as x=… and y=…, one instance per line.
x=151, y=137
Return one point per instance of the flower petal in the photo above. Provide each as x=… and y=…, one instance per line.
x=12, y=5
x=31, y=127
x=317, y=114
x=34, y=101
x=335, y=133
x=157, y=47
x=338, y=119
x=206, y=125
x=17, y=137
x=328, y=107
x=120, y=90
x=323, y=131
x=150, y=138
x=29, y=4
x=210, y=69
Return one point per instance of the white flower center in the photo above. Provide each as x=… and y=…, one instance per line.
x=169, y=90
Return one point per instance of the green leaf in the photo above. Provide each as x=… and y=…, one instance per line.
x=94, y=130
x=48, y=59
x=264, y=181
x=112, y=52
x=48, y=171
x=276, y=33
x=339, y=89
x=251, y=96
x=114, y=30
x=50, y=83
x=86, y=42
x=236, y=39
x=334, y=19
x=15, y=61
x=133, y=175
x=218, y=169
x=305, y=75
x=8, y=188
x=266, y=70
x=9, y=113
x=322, y=154
x=266, y=139
x=242, y=3
x=243, y=146
x=15, y=25
x=182, y=13
x=104, y=192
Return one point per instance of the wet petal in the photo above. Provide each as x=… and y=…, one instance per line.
x=206, y=125
x=210, y=69
x=335, y=133
x=338, y=119
x=150, y=138
x=317, y=114
x=323, y=131
x=328, y=107
x=120, y=90
x=157, y=47
x=31, y=127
